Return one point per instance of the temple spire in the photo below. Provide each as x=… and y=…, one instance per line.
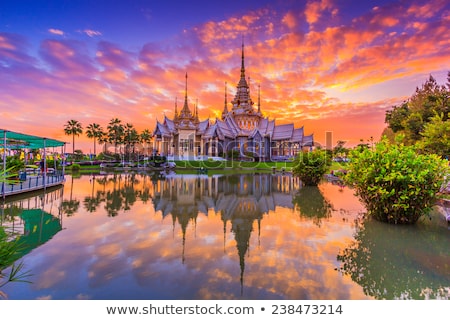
x=242, y=61
x=225, y=108
x=196, y=110
x=185, y=91
x=176, y=109
x=185, y=112
x=259, y=98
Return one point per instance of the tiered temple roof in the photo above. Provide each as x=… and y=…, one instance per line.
x=243, y=120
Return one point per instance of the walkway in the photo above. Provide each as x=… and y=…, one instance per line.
x=31, y=183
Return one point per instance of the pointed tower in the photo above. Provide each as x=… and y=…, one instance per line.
x=175, y=117
x=225, y=107
x=242, y=98
x=259, y=98
x=196, y=112
x=186, y=113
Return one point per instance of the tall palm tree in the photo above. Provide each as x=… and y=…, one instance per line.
x=94, y=131
x=146, y=138
x=131, y=137
x=103, y=139
x=115, y=132
x=73, y=128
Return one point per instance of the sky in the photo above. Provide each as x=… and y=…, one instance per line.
x=327, y=65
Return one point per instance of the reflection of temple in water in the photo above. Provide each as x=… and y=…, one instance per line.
x=239, y=199
x=229, y=195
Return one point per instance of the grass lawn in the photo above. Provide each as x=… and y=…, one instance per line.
x=339, y=166
x=229, y=166
x=210, y=165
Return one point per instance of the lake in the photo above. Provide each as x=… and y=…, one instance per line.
x=236, y=236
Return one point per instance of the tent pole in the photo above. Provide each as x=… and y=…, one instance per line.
x=4, y=164
x=63, y=158
x=45, y=165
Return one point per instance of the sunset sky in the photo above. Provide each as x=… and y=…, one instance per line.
x=326, y=65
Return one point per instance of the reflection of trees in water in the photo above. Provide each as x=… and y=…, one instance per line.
x=398, y=262
x=91, y=203
x=117, y=191
x=311, y=204
x=69, y=207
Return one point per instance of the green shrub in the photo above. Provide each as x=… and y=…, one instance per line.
x=395, y=183
x=75, y=167
x=14, y=163
x=311, y=166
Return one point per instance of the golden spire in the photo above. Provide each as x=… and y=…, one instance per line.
x=225, y=108
x=185, y=112
x=196, y=111
x=176, y=110
x=242, y=60
x=259, y=98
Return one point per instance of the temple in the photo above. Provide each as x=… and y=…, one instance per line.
x=242, y=130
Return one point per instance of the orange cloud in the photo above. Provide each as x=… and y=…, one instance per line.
x=290, y=20
x=315, y=9
x=312, y=76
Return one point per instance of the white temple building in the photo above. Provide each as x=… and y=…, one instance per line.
x=242, y=129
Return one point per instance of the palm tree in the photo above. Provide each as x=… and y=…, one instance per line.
x=146, y=137
x=94, y=131
x=115, y=132
x=73, y=128
x=103, y=139
x=131, y=137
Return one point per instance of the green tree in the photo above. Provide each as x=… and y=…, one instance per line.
x=395, y=183
x=94, y=131
x=339, y=150
x=146, y=138
x=130, y=137
x=389, y=134
x=436, y=137
x=115, y=132
x=411, y=117
x=311, y=166
x=103, y=139
x=396, y=116
x=73, y=128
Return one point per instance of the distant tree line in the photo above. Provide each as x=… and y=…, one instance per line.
x=117, y=134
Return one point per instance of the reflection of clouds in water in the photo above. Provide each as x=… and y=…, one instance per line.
x=166, y=250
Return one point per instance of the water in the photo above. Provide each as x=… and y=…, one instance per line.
x=254, y=236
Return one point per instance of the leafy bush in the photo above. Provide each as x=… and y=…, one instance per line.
x=396, y=184
x=311, y=166
x=75, y=167
x=14, y=163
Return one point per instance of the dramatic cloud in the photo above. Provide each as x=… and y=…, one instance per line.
x=318, y=65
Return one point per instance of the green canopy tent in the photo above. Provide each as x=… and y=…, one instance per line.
x=17, y=140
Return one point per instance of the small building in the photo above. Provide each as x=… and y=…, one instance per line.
x=242, y=129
